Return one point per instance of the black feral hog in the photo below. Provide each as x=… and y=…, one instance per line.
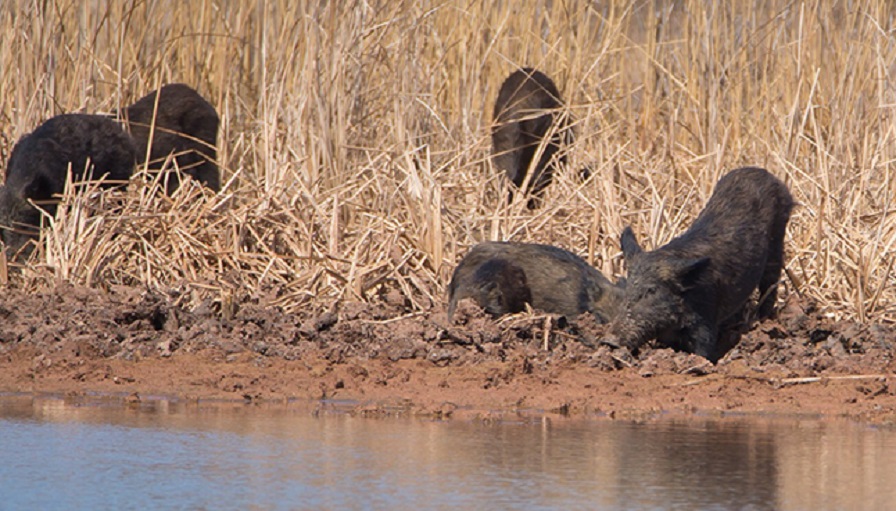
x=681, y=292
x=183, y=124
x=503, y=276
x=93, y=146
x=527, y=108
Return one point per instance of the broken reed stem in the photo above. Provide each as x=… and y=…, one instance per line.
x=817, y=379
x=791, y=381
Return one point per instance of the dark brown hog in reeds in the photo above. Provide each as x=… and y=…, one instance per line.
x=683, y=291
x=176, y=121
x=502, y=277
x=528, y=123
x=94, y=147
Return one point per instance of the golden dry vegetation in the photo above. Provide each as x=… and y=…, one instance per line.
x=355, y=136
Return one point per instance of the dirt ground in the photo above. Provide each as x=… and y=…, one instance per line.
x=379, y=359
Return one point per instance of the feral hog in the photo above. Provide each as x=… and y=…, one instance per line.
x=503, y=276
x=525, y=113
x=92, y=146
x=183, y=125
x=681, y=292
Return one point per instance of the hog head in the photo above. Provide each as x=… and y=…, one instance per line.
x=654, y=303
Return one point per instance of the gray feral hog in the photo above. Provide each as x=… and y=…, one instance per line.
x=184, y=125
x=503, y=276
x=527, y=107
x=681, y=292
x=93, y=146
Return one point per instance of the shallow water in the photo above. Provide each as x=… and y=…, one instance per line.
x=100, y=454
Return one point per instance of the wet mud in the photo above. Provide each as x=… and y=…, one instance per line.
x=383, y=359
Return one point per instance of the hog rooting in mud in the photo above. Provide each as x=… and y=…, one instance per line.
x=183, y=124
x=683, y=291
x=92, y=146
x=503, y=276
x=525, y=113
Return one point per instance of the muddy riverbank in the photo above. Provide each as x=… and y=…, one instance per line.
x=385, y=359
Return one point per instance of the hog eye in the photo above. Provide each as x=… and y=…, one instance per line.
x=646, y=292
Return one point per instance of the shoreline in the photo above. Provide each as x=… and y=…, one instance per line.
x=388, y=360
x=416, y=389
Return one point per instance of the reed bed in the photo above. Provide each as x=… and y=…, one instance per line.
x=355, y=137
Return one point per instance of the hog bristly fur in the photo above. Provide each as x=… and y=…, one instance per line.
x=183, y=124
x=93, y=146
x=681, y=292
x=526, y=109
x=503, y=276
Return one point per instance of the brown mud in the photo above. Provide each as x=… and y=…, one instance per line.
x=384, y=359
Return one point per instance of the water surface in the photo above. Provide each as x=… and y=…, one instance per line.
x=59, y=454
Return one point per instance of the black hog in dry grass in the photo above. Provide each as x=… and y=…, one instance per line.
x=184, y=125
x=92, y=146
x=502, y=277
x=525, y=113
x=681, y=292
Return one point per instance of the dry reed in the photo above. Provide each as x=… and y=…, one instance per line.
x=354, y=141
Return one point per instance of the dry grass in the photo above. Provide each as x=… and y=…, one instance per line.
x=354, y=136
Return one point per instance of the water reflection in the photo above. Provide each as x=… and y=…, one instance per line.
x=56, y=453
x=704, y=463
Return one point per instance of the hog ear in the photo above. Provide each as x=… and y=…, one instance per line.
x=630, y=247
x=689, y=271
